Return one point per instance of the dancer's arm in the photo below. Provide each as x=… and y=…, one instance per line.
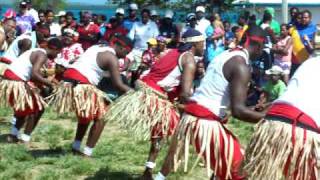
x=237, y=73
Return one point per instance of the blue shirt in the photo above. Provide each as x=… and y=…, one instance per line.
x=308, y=30
x=128, y=23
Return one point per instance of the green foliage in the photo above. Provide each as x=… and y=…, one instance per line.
x=55, y=5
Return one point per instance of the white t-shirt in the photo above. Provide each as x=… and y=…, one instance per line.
x=55, y=29
x=202, y=26
x=34, y=14
x=141, y=33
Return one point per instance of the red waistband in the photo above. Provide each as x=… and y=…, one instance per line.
x=200, y=111
x=153, y=85
x=292, y=113
x=75, y=75
x=8, y=74
x=5, y=60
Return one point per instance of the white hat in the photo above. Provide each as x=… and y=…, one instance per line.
x=169, y=14
x=154, y=12
x=120, y=11
x=61, y=13
x=201, y=9
x=275, y=70
x=133, y=6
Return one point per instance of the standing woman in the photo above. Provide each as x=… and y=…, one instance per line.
x=283, y=52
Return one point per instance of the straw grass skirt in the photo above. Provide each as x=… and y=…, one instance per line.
x=20, y=96
x=3, y=67
x=143, y=111
x=272, y=154
x=87, y=101
x=213, y=142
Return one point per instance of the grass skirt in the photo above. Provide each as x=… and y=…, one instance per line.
x=213, y=142
x=141, y=110
x=271, y=153
x=20, y=96
x=84, y=99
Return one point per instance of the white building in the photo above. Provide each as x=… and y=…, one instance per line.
x=257, y=7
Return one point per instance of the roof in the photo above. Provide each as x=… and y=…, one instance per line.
x=278, y=2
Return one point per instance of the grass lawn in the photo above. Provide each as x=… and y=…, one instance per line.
x=116, y=156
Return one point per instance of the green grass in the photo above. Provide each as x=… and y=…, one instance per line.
x=117, y=155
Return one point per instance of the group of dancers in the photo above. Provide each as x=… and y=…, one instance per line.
x=164, y=104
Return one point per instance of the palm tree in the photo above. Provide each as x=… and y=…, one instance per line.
x=55, y=5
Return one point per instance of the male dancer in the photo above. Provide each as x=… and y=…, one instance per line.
x=286, y=144
x=203, y=123
x=23, y=96
x=80, y=94
x=151, y=106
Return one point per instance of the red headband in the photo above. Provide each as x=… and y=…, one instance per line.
x=253, y=38
x=117, y=40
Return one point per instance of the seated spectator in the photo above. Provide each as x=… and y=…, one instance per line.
x=283, y=52
x=55, y=28
x=149, y=56
x=25, y=22
x=88, y=31
x=273, y=89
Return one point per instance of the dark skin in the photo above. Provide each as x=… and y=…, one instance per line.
x=108, y=62
x=89, y=37
x=8, y=26
x=238, y=74
x=24, y=45
x=38, y=60
x=189, y=69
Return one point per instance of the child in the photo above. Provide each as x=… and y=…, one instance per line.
x=273, y=89
x=283, y=52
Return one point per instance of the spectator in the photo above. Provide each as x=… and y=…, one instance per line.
x=55, y=28
x=274, y=25
x=303, y=43
x=25, y=22
x=42, y=17
x=293, y=14
x=102, y=23
x=155, y=17
x=72, y=49
x=273, y=89
x=229, y=35
x=95, y=19
x=200, y=72
x=62, y=19
x=191, y=23
x=7, y=34
x=143, y=30
x=169, y=30
x=71, y=21
x=132, y=18
x=243, y=24
x=120, y=16
x=32, y=11
x=88, y=31
x=140, y=33
x=114, y=29
x=149, y=56
x=214, y=43
x=202, y=22
x=283, y=52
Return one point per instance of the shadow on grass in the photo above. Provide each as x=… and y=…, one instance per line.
x=107, y=174
x=40, y=153
x=3, y=139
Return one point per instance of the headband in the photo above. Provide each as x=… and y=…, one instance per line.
x=253, y=38
x=124, y=44
x=193, y=39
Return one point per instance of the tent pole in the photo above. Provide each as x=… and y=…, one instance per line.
x=285, y=11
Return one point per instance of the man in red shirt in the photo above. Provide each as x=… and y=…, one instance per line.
x=88, y=31
x=114, y=29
